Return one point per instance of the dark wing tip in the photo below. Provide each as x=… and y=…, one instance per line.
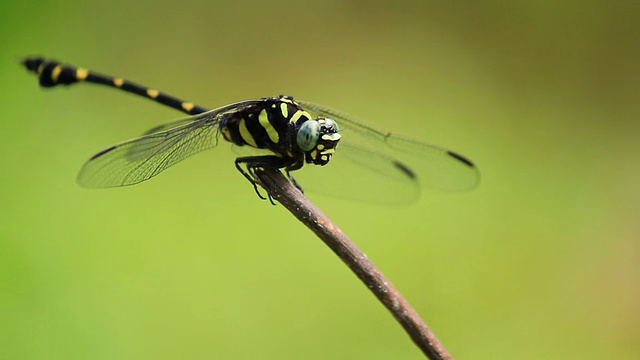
x=405, y=169
x=102, y=152
x=461, y=158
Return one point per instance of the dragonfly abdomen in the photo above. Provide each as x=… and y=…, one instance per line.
x=52, y=73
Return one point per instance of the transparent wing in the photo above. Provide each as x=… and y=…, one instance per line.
x=215, y=112
x=140, y=159
x=169, y=125
x=401, y=165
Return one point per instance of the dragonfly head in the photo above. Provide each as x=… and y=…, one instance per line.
x=318, y=139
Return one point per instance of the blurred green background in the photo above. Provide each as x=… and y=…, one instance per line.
x=540, y=262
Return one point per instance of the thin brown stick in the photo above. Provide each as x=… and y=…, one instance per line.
x=291, y=198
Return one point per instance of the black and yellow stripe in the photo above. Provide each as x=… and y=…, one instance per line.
x=268, y=124
x=52, y=73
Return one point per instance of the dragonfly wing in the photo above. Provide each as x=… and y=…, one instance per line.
x=398, y=157
x=140, y=159
x=375, y=179
x=169, y=125
x=432, y=166
x=211, y=113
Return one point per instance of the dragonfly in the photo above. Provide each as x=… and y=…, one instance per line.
x=272, y=132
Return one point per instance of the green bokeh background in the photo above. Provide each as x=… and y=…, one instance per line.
x=541, y=261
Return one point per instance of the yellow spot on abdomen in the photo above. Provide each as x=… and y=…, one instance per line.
x=263, y=118
x=246, y=135
x=152, y=93
x=118, y=82
x=55, y=73
x=187, y=106
x=81, y=74
x=284, y=108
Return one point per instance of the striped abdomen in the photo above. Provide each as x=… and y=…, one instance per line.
x=52, y=73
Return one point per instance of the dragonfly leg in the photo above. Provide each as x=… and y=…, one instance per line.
x=296, y=165
x=259, y=162
x=293, y=181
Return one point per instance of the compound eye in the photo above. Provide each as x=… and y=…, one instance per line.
x=308, y=135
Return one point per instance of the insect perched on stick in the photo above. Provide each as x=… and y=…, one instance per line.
x=272, y=132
